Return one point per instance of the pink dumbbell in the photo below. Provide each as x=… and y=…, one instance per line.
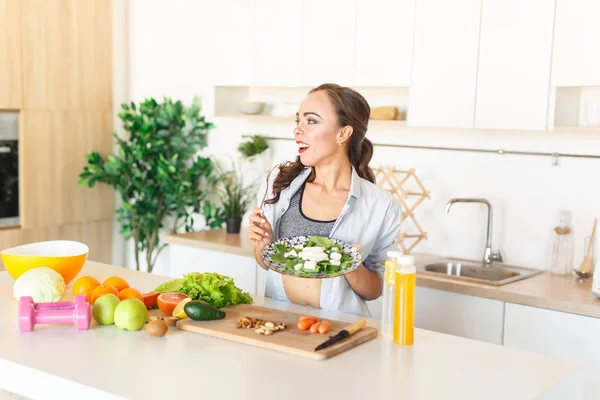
x=76, y=312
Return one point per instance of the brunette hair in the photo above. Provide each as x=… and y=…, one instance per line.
x=352, y=109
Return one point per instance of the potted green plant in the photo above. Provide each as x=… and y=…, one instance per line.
x=255, y=157
x=157, y=172
x=252, y=146
x=235, y=195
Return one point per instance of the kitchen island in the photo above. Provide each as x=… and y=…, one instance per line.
x=59, y=362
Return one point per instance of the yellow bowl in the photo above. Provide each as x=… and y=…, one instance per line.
x=63, y=256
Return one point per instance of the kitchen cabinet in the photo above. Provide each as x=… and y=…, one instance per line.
x=67, y=55
x=10, y=54
x=384, y=42
x=460, y=315
x=575, y=58
x=186, y=259
x=557, y=334
x=278, y=43
x=232, y=50
x=328, y=49
x=513, y=75
x=442, y=93
x=54, y=145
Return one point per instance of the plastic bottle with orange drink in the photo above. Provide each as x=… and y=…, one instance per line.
x=387, y=312
x=405, y=282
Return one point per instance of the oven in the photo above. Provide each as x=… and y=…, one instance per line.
x=9, y=169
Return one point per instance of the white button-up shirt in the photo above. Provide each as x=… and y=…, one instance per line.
x=371, y=217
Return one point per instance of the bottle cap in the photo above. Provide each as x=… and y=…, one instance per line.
x=406, y=259
x=394, y=254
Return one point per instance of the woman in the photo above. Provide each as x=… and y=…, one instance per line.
x=329, y=191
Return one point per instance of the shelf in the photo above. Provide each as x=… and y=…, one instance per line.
x=272, y=118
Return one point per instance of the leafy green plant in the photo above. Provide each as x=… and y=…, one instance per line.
x=253, y=145
x=157, y=172
x=234, y=193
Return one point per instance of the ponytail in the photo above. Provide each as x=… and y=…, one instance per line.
x=361, y=164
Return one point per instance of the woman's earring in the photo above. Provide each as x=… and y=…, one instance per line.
x=339, y=143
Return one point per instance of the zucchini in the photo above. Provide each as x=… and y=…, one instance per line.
x=199, y=310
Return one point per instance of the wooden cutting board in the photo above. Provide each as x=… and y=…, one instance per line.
x=291, y=340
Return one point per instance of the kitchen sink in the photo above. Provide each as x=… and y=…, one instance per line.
x=496, y=274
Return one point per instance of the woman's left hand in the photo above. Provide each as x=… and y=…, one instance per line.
x=364, y=281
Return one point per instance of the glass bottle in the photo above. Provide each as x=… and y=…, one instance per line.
x=387, y=312
x=562, y=249
x=404, y=300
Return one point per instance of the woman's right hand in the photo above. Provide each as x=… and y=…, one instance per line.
x=259, y=232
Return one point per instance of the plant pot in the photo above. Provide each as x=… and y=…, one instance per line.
x=234, y=225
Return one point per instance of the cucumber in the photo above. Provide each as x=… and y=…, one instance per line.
x=199, y=310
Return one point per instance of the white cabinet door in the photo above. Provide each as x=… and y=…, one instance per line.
x=185, y=259
x=232, y=52
x=557, y=334
x=445, y=63
x=278, y=30
x=384, y=42
x=515, y=53
x=576, y=59
x=328, y=42
x=457, y=314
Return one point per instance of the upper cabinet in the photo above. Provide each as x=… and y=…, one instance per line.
x=10, y=54
x=445, y=63
x=482, y=64
x=67, y=55
x=278, y=55
x=515, y=53
x=328, y=42
x=576, y=59
x=233, y=43
x=384, y=42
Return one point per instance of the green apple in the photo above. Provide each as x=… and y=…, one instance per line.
x=104, y=309
x=131, y=315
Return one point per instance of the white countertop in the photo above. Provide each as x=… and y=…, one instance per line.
x=59, y=362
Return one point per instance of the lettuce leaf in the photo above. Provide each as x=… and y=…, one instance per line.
x=318, y=241
x=215, y=289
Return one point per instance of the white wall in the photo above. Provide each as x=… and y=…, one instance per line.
x=165, y=57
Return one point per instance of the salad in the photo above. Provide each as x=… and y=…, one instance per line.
x=319, y=255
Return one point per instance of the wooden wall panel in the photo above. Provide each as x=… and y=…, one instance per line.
x=96, y=235
x=67, y=54
x=9, y=238
x=10, y=54
x=54, y=145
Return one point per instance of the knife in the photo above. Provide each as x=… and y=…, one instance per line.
x=343, y=334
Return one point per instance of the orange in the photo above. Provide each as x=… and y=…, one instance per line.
x=130, y=293
x=102, y=289
x=85, y=285
x=168, y=301
x=117, y=282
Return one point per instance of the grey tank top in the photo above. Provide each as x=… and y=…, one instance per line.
x=294, y=223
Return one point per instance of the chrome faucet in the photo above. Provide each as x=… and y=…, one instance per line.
x=488, y=255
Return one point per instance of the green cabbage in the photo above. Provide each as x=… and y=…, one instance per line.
x=215, y=289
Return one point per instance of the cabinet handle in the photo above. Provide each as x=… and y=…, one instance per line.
x=4, y=149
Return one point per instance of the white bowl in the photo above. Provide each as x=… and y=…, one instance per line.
x=251, y=107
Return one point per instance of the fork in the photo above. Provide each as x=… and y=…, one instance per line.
x=262, y=203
